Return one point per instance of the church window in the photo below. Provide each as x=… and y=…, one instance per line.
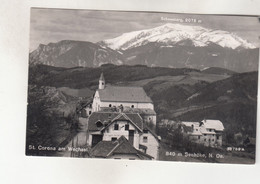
x=116, y=127
x=132, y=106
x=145, y=131
x=110, y=105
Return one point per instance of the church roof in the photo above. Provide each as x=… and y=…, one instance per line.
x=124, y=94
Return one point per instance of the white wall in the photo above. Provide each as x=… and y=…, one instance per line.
x=96, y=102
x=110, y=132
x=128, y=104
x=152, y=144
x=209, y=139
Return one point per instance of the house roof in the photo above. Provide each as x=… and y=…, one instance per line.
x=190, y=123
x=213, y=124
x=207, y=124
x=123, y=94
x=106, y=149
x=110, y=117
x=203, y=130
x=103, y=117
x=188, y=126
x=143, y=111
x=103, y=148
x=134, y=118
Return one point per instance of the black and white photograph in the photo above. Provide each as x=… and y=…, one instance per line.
x=140, y=85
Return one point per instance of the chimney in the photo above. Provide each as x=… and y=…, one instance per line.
x=121, y=108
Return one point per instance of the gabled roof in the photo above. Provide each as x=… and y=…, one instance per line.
x=123, y=94
x=105, y=149
x=213, y=124
x=143, y=111
x=207, y=124
x=109, y=117
x=190, y=123
x=203, y=130
x=134, y=118
x=103, y=117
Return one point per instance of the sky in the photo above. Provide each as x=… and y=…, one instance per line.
x=53, y=25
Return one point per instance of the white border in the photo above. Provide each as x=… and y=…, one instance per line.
x=15, y=167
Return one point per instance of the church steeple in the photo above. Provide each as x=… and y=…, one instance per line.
x=101, y=82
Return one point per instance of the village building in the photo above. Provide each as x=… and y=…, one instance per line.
x=110, y=126
x=118, y=149
x=207, y=132
x=120, y=96
x=84, y=109
x=148, y=115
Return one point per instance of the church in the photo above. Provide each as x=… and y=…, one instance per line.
x=126, y=98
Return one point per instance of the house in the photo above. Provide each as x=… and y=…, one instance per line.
x=207, y=132
x=84, y=109
x=118, y=149
x=148, y=115
x=110, y=126
x=120, y=96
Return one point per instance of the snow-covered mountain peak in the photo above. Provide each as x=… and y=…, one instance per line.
x=172, y=33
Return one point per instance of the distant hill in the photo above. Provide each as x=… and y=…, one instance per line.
x=80, y=77
x=185, y=55
x=68, y=53
x=177, y=93
x=232, y=100
x=217, y=70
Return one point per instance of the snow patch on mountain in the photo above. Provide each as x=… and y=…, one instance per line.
x=173, y=33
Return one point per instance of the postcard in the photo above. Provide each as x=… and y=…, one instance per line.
x=142, y=86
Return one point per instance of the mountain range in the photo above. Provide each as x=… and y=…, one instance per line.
x=169, y=45
x=174, y=33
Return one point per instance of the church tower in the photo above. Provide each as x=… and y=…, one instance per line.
x=101, y=82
